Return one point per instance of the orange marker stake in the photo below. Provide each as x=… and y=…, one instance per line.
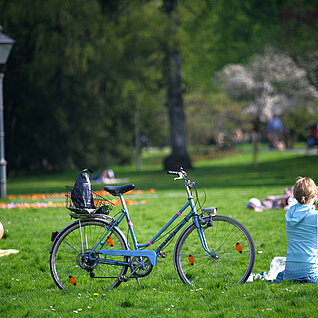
x=110, y=241
x=72, y=280
x=191, y=260
x=239, y=247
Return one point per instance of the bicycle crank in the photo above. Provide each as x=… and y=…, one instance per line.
x=141, y=266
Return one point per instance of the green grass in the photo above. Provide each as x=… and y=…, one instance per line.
x=27, y=289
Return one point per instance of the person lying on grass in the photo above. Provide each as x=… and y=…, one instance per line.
x=273, y=202
x=302, y=240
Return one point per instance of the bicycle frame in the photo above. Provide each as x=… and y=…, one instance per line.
x=152, y=255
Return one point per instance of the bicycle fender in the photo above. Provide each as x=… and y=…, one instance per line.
x=83, y=222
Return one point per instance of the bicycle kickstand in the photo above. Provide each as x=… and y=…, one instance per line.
x=126, y=278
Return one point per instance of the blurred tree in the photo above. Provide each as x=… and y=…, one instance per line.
x=72, y=72
x=172, y=73
x=81, y=70
x=212, y=115
x=296, y=32
x=270, y=83
x=58, y=83
x=219, y=32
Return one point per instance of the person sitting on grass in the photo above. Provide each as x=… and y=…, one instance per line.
x=301, y=228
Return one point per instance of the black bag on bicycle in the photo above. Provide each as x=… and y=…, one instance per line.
x=81, y=194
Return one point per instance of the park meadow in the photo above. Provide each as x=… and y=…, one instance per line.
x=28, y=290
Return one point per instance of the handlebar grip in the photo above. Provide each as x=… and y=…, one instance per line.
x=173, y=172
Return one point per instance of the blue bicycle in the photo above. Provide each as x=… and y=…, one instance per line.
x=92, y=252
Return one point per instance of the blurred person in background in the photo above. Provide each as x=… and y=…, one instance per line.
x=275, y=129
x=313, y=136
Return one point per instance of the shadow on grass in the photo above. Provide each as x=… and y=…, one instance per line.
x=278, y=173
x=236, y=172
x=282, y=172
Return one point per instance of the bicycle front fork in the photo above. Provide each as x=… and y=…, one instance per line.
x=208, y=221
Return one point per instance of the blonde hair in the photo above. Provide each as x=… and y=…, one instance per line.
x=305, y=190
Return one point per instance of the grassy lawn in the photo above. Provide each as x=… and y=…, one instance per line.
x=27, y=289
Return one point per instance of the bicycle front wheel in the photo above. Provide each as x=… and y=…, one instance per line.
x=229, y=240
x=70, y=262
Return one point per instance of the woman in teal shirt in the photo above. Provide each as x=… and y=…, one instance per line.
x=302, y=236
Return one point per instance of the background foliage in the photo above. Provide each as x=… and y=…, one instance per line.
x=81, y=70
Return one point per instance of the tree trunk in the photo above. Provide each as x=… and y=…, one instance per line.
x=255, y=139
x=172, y=73
x=137, y=140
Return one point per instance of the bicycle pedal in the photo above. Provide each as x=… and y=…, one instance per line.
x=124, y=278
x=162, y=254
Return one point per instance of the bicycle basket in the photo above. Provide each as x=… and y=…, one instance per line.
x=97, y=204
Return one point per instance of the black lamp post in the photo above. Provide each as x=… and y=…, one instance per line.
x=5, y=47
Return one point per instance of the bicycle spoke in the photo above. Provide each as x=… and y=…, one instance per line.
x=232, y=244
x=71, y=266
x=70, y=245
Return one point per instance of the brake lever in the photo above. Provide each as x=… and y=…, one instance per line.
x=181, y=174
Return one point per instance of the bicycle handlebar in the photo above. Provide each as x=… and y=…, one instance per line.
x=181, y=174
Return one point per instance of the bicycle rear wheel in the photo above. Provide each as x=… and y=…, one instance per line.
x=70, y=264
x=229, y=239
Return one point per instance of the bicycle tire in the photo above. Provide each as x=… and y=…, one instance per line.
x=229, y=239
x=66, y=262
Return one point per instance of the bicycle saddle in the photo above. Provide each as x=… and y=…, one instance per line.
x=117, y=190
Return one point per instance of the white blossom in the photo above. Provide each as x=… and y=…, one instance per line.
x=270, y=83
